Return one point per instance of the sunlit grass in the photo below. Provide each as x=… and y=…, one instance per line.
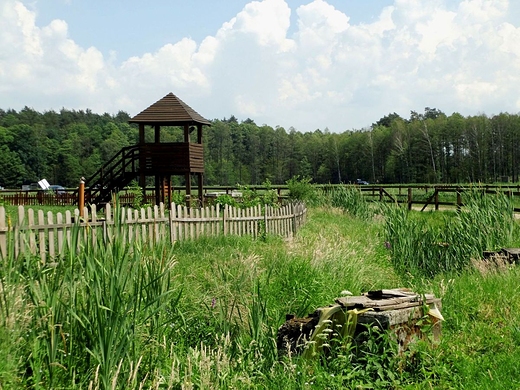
x=204, y=314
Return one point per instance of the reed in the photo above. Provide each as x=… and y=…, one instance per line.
x=449, y=244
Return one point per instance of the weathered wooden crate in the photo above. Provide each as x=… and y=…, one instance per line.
x=401, y=312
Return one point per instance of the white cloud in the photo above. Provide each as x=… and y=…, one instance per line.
x=453, y=55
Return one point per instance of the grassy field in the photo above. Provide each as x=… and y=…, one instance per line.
x=204, y=315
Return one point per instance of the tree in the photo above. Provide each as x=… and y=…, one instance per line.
x=13, y=170
x=387, y=120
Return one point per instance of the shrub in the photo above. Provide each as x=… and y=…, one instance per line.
x=301, y=189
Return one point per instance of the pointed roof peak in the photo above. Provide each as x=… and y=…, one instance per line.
x=169, y=111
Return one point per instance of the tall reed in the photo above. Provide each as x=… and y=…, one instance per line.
x=98, y=310
x=351, y=200
x=419, y=246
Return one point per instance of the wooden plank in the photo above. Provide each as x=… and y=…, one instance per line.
x=180, y=227
x=41, y=237
x=61, y=238
x=137, y=236
x=32, y=236
x=93, y=228
x=162, y=226
x=191, y=223
x=142, y=224
x=51, y=234
x=75, y=225
x=378, y=294
x=85, y=223
x=3, y=233
x=151, y=238
x=266, y=226
x=157, y=233
x=219, y=229
x=67, y=235
x=224, y=220
x=130, y=219
x=353, y=301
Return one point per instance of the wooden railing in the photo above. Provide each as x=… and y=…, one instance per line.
x=411, y=195
x=50, y=235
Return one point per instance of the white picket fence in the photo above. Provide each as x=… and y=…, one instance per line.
x=49, y=235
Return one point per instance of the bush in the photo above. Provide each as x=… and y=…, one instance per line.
x=303, y=190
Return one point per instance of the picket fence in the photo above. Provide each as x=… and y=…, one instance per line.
x=49, y=235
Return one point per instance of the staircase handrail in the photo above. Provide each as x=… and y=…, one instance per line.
x=112, y=170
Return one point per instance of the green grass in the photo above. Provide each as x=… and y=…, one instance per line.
x=205, y=314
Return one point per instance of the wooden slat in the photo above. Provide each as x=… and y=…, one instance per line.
x=21, y=235
x=3, y=233
x=67, y=232
x=93, y=223
x=51, y=234
x=41, y=237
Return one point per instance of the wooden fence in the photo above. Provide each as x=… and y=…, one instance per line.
x=432, y=195
x=49, y=235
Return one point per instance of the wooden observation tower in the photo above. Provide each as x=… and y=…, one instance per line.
x=160, y=160
x=164, y=160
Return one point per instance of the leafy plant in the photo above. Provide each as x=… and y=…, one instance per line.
x=302, y=189
x=226, y=199
x=138, y=198
x=178, y=198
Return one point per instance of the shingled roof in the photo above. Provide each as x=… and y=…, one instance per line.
x=169, y=111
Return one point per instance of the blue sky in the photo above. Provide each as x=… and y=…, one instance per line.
x=307, y=64
x=131, y=28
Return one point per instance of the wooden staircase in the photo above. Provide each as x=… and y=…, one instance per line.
x=113, y=176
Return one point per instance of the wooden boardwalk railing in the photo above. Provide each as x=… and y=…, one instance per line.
x=50, y=235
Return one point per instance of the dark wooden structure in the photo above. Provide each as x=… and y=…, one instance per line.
x=160, y=160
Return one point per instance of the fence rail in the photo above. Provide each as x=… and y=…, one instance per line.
x=410, y=194
x=50, y=235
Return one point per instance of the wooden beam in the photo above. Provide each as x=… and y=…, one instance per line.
x=188, y=189
x=186, y=133
x=200, y=189
x=199, y=133
x=157, y=137
x=141, y=134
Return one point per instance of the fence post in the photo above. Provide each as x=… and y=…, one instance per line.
x=81, y=194
x=459, y=200
x=436, y=199
x=410, y=200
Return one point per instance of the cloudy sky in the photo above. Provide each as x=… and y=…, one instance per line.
x=336, y=64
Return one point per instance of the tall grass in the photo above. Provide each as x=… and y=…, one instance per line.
x=92, y=314
x=419, y=246
x=204, y=314
x=351, y=200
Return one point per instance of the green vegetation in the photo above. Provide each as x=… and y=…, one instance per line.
x=419, y=246
x=426, y=148
x=204, y=314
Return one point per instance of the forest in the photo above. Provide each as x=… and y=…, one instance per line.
x=427, y=147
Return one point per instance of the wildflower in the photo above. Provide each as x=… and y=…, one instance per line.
x=213, y=303
x=388, y=245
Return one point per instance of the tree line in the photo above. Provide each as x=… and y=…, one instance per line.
x=428, y=147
